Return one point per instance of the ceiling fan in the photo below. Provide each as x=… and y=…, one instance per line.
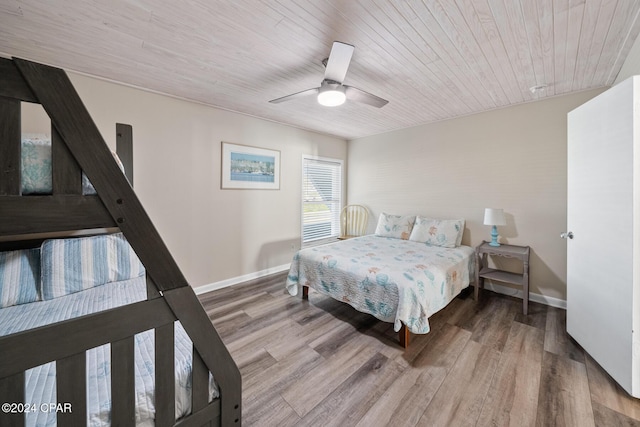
x=332, y=92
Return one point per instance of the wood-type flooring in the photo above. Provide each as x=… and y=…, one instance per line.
x=322, y=363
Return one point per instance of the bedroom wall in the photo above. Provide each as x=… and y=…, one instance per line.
x=215, y=235
x=513, y=158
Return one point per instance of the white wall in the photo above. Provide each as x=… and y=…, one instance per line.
x=213, y=234
x=514, y=158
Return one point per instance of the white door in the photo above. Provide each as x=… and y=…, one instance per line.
x=602, y=280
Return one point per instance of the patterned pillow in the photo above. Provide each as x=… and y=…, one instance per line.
x=36, y=167
x=73, y=265
x=446, y=233
x=396, y=226
x=19, y=277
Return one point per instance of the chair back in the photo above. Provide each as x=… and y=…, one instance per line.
x=353, y=221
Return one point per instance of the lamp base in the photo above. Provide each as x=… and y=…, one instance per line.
x=494, y=236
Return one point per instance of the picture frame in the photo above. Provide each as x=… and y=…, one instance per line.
x=246, y=167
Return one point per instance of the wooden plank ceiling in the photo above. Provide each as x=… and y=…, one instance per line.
x=432, y=60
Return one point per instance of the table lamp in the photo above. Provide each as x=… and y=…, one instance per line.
x=494, y=217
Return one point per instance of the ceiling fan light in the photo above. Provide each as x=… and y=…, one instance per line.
x=332, y=97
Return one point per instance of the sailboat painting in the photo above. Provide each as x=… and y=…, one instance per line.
x=247, y=167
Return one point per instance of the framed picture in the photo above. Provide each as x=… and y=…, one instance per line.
x=246, y=167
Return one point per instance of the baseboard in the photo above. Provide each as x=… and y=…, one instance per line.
x=542, y=299
x=240, y=279
x=500, y=289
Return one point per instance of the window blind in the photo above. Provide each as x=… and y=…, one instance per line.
x=321, y=199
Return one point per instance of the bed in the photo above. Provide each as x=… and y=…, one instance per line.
x=401, y=274
x=76, y=281
x=73, y=327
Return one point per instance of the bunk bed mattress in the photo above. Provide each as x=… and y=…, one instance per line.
x=397, y=281
x=40, y=385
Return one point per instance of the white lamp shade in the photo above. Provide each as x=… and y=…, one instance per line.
x=494, y=217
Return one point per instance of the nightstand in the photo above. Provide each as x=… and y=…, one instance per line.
x=506, y=251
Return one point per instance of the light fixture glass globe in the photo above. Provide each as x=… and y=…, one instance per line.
x=331, y=97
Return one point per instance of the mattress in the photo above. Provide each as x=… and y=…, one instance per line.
x=40, y=386
x=397, y=281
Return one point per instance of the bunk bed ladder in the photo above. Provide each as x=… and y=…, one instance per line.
x=77, y=146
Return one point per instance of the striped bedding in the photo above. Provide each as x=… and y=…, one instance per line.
x=40, y=381
x=73, y=265
x=19, y=277
x=72, y=277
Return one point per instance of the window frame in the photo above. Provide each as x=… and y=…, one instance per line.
x=340, y=202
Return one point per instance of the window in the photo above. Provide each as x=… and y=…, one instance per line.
x=321, y=199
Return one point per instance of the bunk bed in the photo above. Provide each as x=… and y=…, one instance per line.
x=163, y=311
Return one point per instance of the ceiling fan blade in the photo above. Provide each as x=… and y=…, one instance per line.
x=358, y=95
x=295, y=95
x=338, y=62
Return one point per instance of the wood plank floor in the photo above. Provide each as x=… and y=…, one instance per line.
x=321, y=363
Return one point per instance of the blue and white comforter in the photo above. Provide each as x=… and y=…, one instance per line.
x=397, y=281
x=40, y=387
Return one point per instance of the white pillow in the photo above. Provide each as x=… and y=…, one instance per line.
x=446, y=233
x=396, y=226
